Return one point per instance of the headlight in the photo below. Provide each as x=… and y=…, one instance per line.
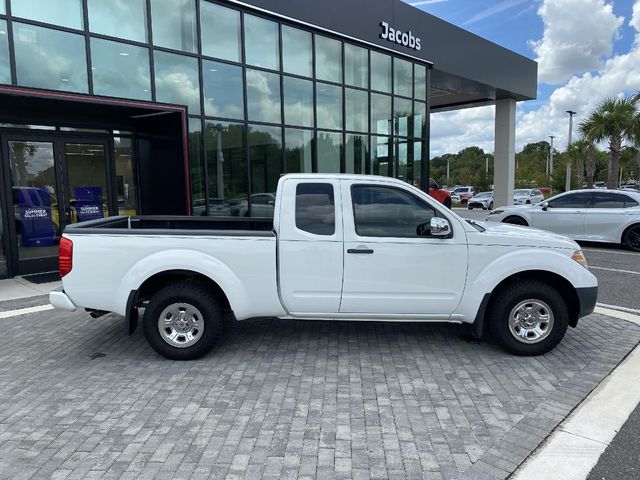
x=496, y=212
x=578, y=256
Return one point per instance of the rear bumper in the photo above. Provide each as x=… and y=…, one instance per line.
x=587, y=297
x=59, y=300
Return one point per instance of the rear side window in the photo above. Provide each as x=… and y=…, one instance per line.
x=612, y=200
x=315, y=208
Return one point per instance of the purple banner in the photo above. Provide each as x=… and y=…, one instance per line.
x=35, y=223
x=88, y=203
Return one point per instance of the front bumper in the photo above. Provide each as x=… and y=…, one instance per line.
x=587, y=298
x=59, y=300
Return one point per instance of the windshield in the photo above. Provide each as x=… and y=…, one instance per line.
x=521, y=192
x=483, y=195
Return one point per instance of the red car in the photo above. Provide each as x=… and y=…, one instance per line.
x=443, y=196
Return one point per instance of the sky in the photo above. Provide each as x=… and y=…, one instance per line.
x=586, y=50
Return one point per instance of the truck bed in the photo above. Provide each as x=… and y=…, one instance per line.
x=176, y=225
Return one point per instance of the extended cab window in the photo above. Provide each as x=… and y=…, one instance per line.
x=388, y=212
x=315, y=208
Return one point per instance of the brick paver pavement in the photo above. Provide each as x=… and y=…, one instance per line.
x=284, y=399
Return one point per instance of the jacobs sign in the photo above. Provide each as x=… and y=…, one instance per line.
x=401, y=38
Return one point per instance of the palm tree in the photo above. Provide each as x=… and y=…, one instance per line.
x=615, y=120
x=583, y=155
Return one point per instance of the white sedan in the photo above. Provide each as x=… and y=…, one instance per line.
x=611, y=216
x=526, y=196
x=483, y=200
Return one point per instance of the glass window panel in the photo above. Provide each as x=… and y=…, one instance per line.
x=2, y=12
x=420, y=82
x=119, y=19
x=401, y=115
x=196, y=168
x=227, y=168
x=420, y=119
x=401, y=154
x=223, y=94
x=380, y=114
x=220, y=31
x=120, y=70
x=328, y=59
x=380, y=72
x=5, y=67
x=315, y=208
x=263, y=96
x=329, y=152
x=417, y=162
x=125, y=177
x=67, y=13
x=261, y=42
x=177, y=80
x=356, y=111
x=298, y=145
x=356, y=66
x=329, y=106
x=50, y=59
x=298, y=102
x=402, y=77
x=296, y=51
x=265, y=154
x=174, y=24
x=357, y=153
x=3, y=256
x=381, y=156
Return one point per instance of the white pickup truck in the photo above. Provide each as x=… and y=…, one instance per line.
x=340, y=247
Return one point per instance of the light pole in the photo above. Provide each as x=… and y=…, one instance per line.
x=567, y=184
x=551, y=158
x=448, y=172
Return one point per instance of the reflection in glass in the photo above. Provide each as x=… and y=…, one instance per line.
x=119, y=19
x=420, y=119
x=34, y=199
x=402, y=77
x=5, y=68
x=328, y=59
x=265, y=153
x=356, y=66
x=125, y=177
x=380, y=72
x=67, y=13
x=329, y=152
x=220, y=31
x=296, y=51
x=402, y=159
x=380, y=114
x=401, y=116
x=356, y=111
x=329, y=106
x=223, y=95
x=420, y=82
x=261, y=42
x=298, y=145
x=2, y=12
x=196, y=168
x=381, y=156
x=227, y=167
x=86, y=166
x=3, y=256
x=298, y=102
x=417, y=163
x=174, y=24
x=263, y=96
x=120, y=70
x=177, y=80
x=50, y=59
x=357, y=153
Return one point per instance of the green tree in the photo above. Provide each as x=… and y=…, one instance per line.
x=614, y=120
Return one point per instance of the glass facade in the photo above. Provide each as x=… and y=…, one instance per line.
x=264, y=96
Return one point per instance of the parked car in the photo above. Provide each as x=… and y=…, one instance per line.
x=611, y=216
x=217, y=208
x=483, y=200
x=527, y=196
x=341, y=247
x=463, y=194
x=440, y=194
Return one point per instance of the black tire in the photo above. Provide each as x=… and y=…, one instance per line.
x=491, y=206
x=631, y=238
x=528, y=202
x=516, y=221
x=207, y=307
x=447, y=202
x=470, y=208
x=525, y=293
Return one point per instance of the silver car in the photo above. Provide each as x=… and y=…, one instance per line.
x=611, y=216
x=483, y=200
x=527, y=196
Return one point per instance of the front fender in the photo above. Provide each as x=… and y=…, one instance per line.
x=195, y=261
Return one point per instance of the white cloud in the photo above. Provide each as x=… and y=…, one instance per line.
x=425, y=2
x=635, y=19
x=498, y=8
x=578, y=34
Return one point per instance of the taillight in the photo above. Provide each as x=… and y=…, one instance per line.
x=65, y=260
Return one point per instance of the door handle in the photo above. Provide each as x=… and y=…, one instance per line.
x=359, y=250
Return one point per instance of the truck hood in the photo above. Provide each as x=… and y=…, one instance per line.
x=514, y=235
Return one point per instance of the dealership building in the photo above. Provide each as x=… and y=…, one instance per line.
x=198, y=106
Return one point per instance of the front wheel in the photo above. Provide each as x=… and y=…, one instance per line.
x=631, y=238
x=491, y=206
x=528, y=318
x=516, y=221
x=183, y=321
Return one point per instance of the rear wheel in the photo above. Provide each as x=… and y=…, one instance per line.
x=528, y=318
x=516, y=221
x=183, y=321
x=631, y=238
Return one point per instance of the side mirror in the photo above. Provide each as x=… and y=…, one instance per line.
x=545, y=206
x=439, y=227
